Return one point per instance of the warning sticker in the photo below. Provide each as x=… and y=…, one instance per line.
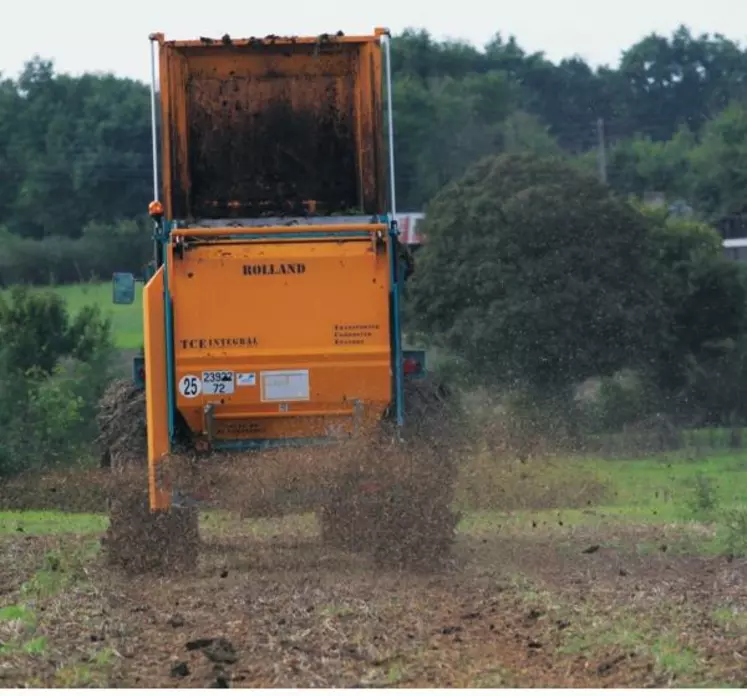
x=246, y=379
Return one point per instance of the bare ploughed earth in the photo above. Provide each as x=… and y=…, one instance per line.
x=523, y=602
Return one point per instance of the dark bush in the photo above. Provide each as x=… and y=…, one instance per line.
x=53, y=370
x=99, y=252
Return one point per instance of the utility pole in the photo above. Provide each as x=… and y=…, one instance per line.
x=601, y=151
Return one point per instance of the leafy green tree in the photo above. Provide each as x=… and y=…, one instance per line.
x=679, y=81
x=704, y=301
x=642, y=165
x=37, y=332
x=77, y=148
x=719, y=164
x=535, y=273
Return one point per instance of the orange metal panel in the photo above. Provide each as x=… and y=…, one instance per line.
x=290, y=230
x=155, y=385
x=316, y=306
x=281, y=126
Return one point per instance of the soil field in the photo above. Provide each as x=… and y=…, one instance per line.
x=547, y=599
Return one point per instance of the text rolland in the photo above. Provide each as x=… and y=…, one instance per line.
x=257, y=269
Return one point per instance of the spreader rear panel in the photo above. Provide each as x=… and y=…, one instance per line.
x=285, y=339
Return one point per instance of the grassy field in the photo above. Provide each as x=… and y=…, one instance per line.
x=126, y=319
x=640, y=586
x=567, y=572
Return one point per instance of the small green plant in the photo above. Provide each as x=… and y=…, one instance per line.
x=735, y=531
x=395, y=674
x=18, y=612
x=731, y=619
x=93, y=671
x=17, y=628
x=702, y=503
x=35, y=646
x=673, y=659
x=60, y=569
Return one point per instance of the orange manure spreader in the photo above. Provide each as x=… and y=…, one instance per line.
x=273, y=377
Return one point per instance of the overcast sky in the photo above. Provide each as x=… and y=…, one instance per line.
x=89, y=35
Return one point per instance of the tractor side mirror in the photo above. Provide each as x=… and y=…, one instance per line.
x=123, y=288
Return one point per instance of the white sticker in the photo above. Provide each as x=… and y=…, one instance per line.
x=218, y=382
x=190, y=386
x=246, y=379
x=285, y=385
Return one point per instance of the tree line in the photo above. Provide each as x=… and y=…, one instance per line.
x=537, y=276
x=75, y=157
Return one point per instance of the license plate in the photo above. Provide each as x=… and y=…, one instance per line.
x=217, y=382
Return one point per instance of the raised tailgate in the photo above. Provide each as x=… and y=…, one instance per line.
x=271, y=127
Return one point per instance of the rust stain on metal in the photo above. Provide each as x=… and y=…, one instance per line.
x=274, y=126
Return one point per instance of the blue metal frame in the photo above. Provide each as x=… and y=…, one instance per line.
x=396, y=325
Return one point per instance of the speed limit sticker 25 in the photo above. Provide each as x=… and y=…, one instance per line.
x=190, y=386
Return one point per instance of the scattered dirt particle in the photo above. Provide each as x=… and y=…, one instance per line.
x=176, y=621
x=221, y=651
x=607, y=666
x=199, y=643
x=471, y=615
x=180, y=669
x=592, y=549
x=449, y=630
